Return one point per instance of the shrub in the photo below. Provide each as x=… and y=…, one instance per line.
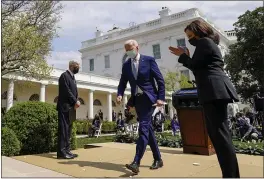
x=35, y=125
x=73, y=136
x=10, y=143
x=108, y=126
x=84, y=125
x=79, y=127
x=167, y=125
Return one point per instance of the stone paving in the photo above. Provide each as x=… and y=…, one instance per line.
x=108, y=160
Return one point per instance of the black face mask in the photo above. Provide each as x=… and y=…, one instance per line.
x=193, y=41
x=75, y=70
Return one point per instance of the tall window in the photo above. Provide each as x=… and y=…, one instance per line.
x=91, y=64
x=181, y=42
x=34, y=97
x=186, y=73
x=97, y=102
x=107, y=61
x=156, y=51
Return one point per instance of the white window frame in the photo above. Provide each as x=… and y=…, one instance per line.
x=107, y=61
x=156, y=56
x=180, y=44
x=92, y=59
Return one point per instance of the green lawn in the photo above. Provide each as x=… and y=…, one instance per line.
x=82, y=141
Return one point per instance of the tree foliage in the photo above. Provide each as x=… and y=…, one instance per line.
x=28, y=28
x=175, y=81
x=245, y=61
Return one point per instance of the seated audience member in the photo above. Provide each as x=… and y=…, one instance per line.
x=246, y=129
x=251, y=116
x=95, y=125
x=120, y=123
x=158, y=121
x=175, y=126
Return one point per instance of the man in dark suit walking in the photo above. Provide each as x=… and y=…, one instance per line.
x=66, y=106
x=141, y=72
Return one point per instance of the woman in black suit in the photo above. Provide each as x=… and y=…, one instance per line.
x=215, y=90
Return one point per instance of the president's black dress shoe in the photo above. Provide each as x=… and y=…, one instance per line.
x=64, y=156
x=156, y=164
x=71, y=154
x=134, y=167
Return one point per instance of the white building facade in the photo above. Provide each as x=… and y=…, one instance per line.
x=105, y=53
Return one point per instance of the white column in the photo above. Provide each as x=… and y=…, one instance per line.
x=10, y=94
x=42, y=92
x=109, y=106
x=90, y=110
x=124, y=101
x=171, y=109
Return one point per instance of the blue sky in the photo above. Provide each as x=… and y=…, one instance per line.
x=80, y=19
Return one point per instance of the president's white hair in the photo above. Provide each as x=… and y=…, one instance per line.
x=131, y=42
x=72, y=63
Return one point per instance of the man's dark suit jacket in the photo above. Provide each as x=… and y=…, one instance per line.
x=207, y=67
x=68, y=93
x=148, y=73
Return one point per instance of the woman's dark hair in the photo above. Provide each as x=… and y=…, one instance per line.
x=201, y=29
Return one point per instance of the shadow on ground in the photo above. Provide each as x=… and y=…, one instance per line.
x=168, y=151
x=104, y=166
x=48, y=155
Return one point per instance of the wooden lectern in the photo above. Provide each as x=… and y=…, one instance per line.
x=192, y=123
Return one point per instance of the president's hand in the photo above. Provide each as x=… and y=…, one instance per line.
x=160, y=103
x=118, y=99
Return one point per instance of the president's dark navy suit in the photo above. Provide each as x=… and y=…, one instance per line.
x=148, y=73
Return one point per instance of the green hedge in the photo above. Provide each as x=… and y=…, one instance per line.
x=35, y=125
x=73, y=137
x=167, y=125
x=83, y=126
x=10, y=143
x=166, y=140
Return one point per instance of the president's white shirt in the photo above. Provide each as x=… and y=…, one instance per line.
x=135, y=62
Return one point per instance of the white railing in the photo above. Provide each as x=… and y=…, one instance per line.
x=129, y=30
x=178, y=15
x=153, y=23
x=231, y=34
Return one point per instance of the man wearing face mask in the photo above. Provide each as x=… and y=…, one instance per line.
x=141, y=72
x=66, y=107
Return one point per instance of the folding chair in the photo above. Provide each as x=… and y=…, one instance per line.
x=98, y=131
x=135, y=128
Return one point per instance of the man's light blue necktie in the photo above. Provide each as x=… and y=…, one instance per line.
x=135, y=68
x=135, y=73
